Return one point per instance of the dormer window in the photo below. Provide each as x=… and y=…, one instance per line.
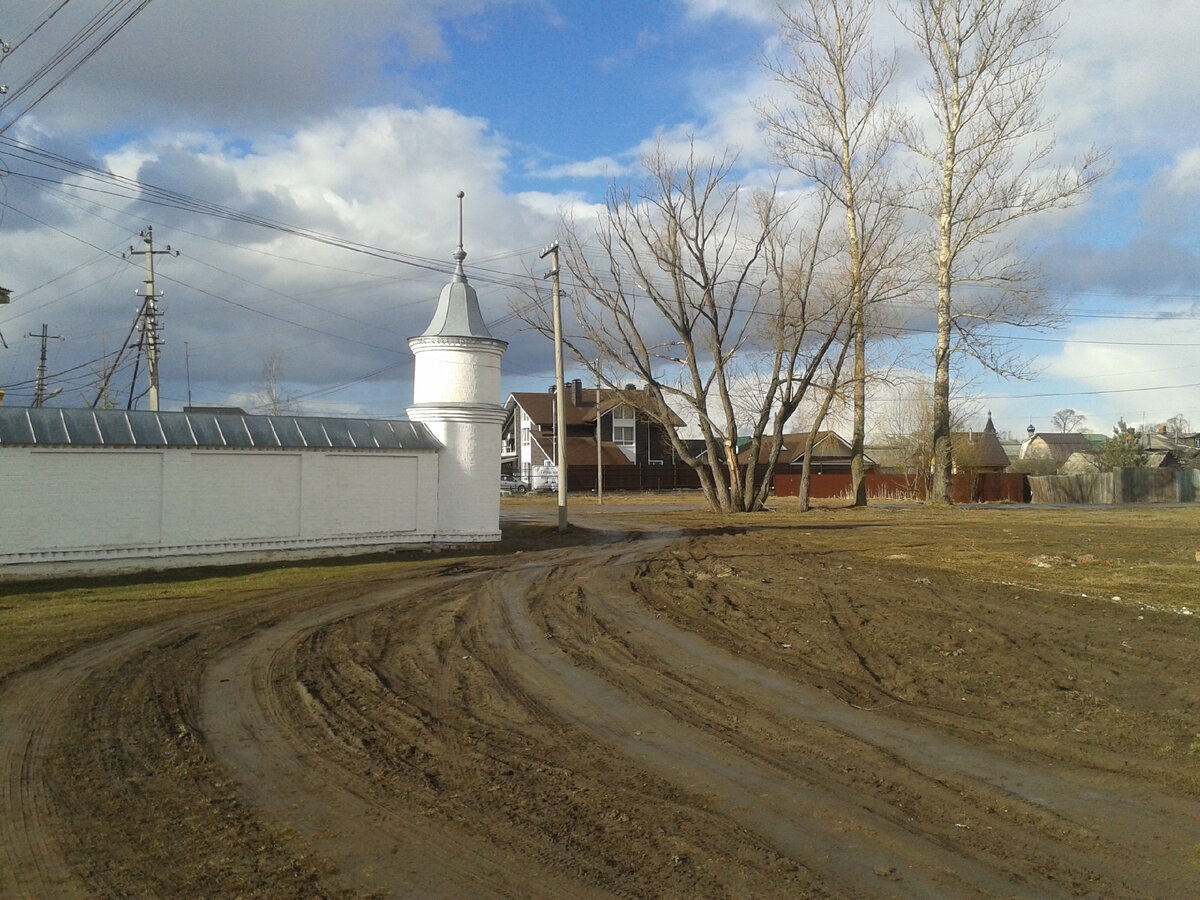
x=624, y=430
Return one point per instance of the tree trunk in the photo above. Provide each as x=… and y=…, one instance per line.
x=943, y=464
x=858, y=482
x=804, y=496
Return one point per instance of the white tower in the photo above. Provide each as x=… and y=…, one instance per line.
x=456, y=393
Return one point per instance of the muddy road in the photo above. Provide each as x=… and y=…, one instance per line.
x=820, y=711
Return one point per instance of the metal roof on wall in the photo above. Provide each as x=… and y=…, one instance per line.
x=46, y=426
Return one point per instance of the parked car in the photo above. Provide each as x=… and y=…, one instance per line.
x=513, y=485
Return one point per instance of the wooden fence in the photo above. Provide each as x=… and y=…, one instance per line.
x=984, y=488
x=634, y=478
x=990, y=488
x=1126, y=485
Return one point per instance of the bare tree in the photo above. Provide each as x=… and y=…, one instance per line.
x=908, y=422
x=1177, y=426
x=1067, y=420
x=838, y=132
x=828, y=396
x=986, y=165
x=271, y=397
x=682, y=287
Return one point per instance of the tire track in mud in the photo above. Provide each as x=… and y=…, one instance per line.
x=377, y=843
x=534, y=727
x=1080, y=828
x=32, y=863
x=35, y=724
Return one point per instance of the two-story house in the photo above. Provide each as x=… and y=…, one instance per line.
x=628, y=436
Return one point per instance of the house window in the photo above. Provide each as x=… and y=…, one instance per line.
x=526, y=424
x=624, y=430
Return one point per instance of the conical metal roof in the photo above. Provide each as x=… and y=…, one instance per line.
x=458, y=313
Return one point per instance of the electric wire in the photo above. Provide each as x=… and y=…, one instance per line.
x=76, y=43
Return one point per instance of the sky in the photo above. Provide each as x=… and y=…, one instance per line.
x=359, y=123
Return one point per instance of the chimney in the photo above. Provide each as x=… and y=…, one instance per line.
x=577, y=392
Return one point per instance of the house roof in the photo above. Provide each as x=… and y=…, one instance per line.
x=1062, y=439
x=540, y=406
x=1059, y=445
x=891, y=457
x=581, y=452
x=827, y=446
x=1161, y=459
x=978, y=449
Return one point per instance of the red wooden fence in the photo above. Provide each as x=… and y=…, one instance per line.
x=989, y=488
x=985, y=488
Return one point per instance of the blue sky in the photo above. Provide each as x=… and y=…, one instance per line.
x=587, y=80
x=364, y=126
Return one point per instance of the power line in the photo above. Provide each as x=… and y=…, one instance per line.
x=78, y=42
x=1137, y=390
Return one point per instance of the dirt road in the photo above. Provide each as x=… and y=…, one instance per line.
x=743, y=712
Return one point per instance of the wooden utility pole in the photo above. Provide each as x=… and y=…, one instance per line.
x=560, y=398
x=150, y=310
x=599, y=454
x=5, y=297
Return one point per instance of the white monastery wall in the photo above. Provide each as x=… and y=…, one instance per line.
x=90, y=504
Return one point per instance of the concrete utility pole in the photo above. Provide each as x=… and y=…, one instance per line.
x=599, y=454
x=151, y=310
x=560, y=398
x=39, y=392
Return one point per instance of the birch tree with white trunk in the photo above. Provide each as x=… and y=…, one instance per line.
x=985, y=164
x=838, y=131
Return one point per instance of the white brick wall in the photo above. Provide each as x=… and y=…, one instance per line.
x=94, y=504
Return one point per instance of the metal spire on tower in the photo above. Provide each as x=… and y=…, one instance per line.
x=458, y=312
x=460, y=254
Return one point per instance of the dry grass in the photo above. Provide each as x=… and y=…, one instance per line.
x=41, y=620
x=1132, y=555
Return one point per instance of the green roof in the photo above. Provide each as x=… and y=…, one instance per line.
x=49, y=426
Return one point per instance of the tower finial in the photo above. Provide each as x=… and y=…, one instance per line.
x=460, y=254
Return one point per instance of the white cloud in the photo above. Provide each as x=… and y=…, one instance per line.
x=237, y=63
x=1145, y=368
x=757, y=11
x=605, y=167
x=1184, y=177
x=385, y=177
x=1126, y=74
